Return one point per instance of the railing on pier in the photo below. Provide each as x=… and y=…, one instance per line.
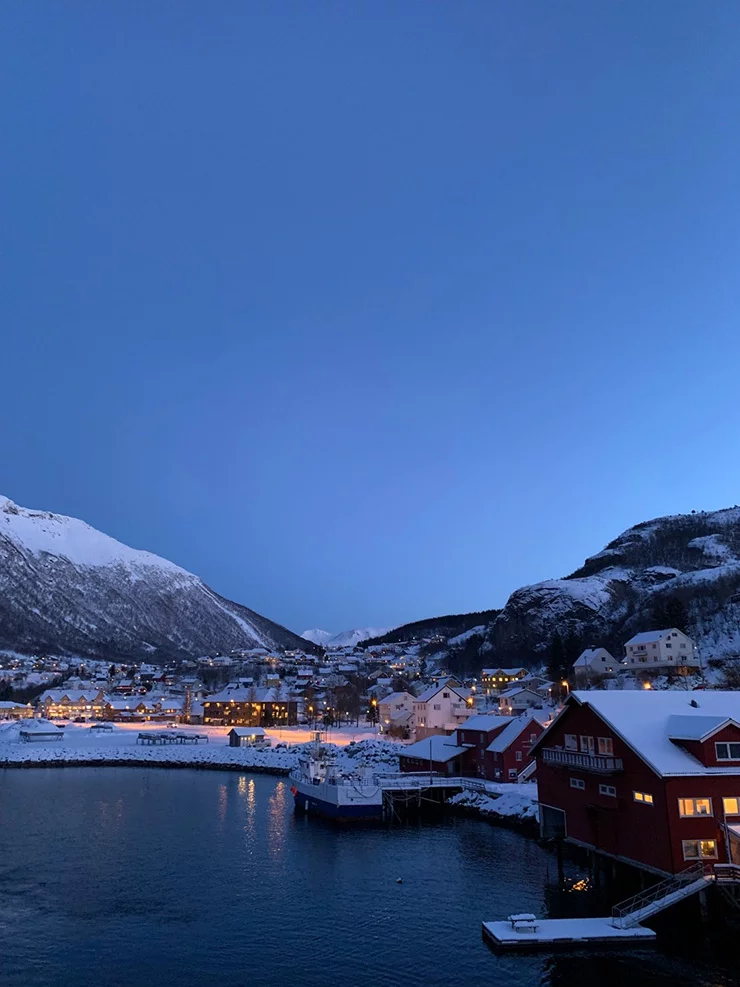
x=659, y=896
x=418, y=779
x=597, y=763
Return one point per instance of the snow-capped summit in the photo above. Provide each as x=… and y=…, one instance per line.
x=67, y=588
x=317, y=636
x=344, y=639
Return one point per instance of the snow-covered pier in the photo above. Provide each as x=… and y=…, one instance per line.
x=569, y=932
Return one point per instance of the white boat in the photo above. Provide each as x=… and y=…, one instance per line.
x=320, y=787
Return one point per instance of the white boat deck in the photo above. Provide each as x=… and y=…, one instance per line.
x=564, y=932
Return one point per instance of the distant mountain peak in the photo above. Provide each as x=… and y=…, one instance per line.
x=67, y=588
x=344, y=639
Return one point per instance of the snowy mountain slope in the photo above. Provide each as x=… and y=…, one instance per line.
x=317, y=636
x=345, y=639
x=692, y=558
x=67, y=588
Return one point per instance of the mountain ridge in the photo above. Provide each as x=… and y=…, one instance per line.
x=67, y=588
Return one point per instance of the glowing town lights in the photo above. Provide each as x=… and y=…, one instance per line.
x=646, y=685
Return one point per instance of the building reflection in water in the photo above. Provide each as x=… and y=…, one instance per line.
x=277, y=819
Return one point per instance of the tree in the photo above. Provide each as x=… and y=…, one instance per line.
x=676, y=615
x=557, y=667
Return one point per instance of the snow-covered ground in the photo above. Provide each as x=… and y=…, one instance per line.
x=504, y=801
x=81, y=745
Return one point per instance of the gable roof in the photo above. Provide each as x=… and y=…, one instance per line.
x=396, y=697
x=590, y=654
x=645, y=719
x=485, y=722
x=649, y=637
x=433, y=690
x=516, y=727
x=435, y=748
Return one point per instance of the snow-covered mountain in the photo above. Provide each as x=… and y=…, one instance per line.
x=345, y=639
x=66, y=588
x=689, y=560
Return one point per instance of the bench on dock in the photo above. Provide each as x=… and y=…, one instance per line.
x=524, y=922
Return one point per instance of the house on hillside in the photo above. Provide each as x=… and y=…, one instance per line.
x=664, y=650
x=395, y=712
x=592, y=665
x=496, y=680
x=440, y=710
x=651, y=778
x=518, y=700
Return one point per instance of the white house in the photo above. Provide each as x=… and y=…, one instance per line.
x=660, y=649
x=441, y=709
x=593, y=664
x=395, y=711
x=517, y=699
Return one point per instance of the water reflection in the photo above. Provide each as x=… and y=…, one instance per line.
x=277, y=819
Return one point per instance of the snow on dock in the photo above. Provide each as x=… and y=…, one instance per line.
x=561, y=932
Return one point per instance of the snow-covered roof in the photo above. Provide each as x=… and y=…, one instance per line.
x=503, y=671
x=250, y=695
x=649, y=637
x=507, y=736
x=396, y=697
x=435, y=748
x=434, y=690
x=644, y=719
x=73, y=695
x=587, y=656
x=485, y=722
x=682, y=727
x=516, y=690
x=248, y=731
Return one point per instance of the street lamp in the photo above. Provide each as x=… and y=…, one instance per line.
x=565, y=685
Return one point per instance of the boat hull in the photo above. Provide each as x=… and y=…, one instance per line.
x=312, y=800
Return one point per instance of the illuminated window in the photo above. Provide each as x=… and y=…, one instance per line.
x=728, y=752
x=699, y=849
x=731, y=806
x=643, y=797
x=606, y=746
x=695, y=807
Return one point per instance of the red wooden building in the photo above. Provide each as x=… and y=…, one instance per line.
x=650, y=778
x=508, y=754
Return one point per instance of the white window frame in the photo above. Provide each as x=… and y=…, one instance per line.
x=519, y=756
x=609, y=790
x=571, y=741
x=699, y=855
x=605, y=746
x=727, y=744
x=731, y=798
x=644, y=798
x=578, y=783
x=694, y=813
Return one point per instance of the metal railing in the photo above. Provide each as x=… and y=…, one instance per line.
x=586, y=762
x=626, y=912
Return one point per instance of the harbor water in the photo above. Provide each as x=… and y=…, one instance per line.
x=126, y=877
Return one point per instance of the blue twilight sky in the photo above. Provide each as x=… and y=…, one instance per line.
x=368, y=311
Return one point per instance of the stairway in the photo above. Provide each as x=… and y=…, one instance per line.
x=669, y=892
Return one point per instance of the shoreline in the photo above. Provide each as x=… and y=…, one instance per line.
x=133, y=762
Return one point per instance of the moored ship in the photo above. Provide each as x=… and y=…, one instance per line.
x=321, y=787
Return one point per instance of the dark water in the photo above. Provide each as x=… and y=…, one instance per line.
x=133, y=877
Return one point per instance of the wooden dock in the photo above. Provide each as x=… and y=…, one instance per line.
x=564, y=932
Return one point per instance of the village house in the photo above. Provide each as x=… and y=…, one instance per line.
x=69, y=704
x=495, y=680
x=669, y=649
x=592, y=665
x=395, y=712
x=250, y=707
x=436, y=753
x=508, y=754
x=15, y=711
x=517, y=700
x=440, y=710
x=651, y=778
x=248, y=737
x=475, y=734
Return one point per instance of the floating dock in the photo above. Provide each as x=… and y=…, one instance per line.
x=570, y=932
